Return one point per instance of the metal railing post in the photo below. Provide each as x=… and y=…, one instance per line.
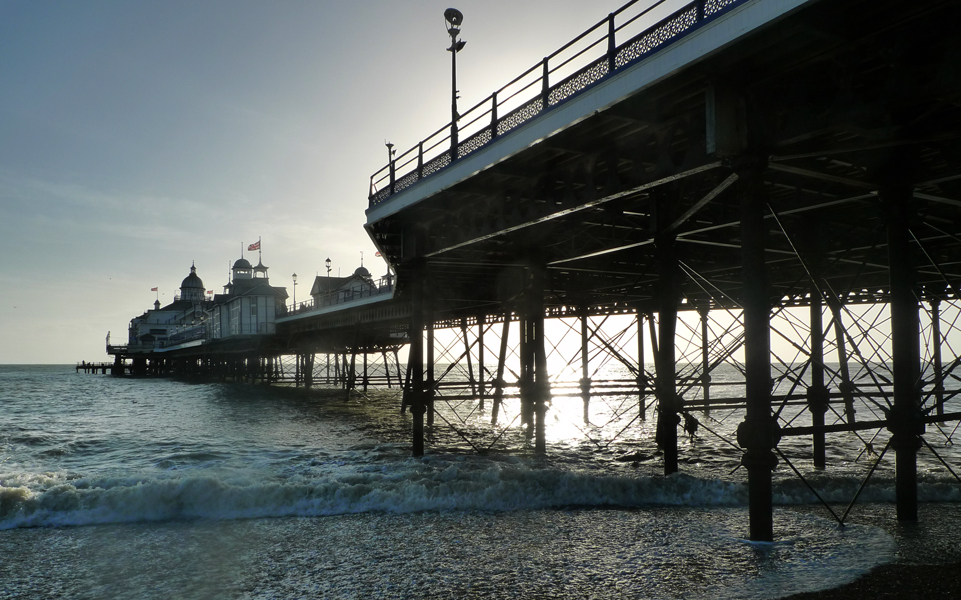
x=611, y=45
x=420, y=160
x=493, y=115
x=545, y=85
x=392, y=176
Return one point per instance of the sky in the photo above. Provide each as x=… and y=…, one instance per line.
x=138, y=138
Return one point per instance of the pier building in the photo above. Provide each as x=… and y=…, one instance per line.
x=248, y=306
x=181, y=320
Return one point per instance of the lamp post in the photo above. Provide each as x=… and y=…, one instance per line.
x=454, y=18
x=294, y=277
x=390, y=163
x=327, y=263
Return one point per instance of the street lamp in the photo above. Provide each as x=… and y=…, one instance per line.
x=327, y=262
x=294, y=277
x=454, y=18
x=390, y=162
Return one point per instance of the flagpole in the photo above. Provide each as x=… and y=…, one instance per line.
x=259, y=259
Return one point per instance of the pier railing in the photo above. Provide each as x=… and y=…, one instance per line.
x=580, y=64
x=384, y=286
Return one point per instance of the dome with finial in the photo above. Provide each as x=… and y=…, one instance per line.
x=242, y=263
x=192, y=287
x=361, y=271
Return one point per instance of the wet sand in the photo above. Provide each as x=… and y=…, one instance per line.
x=897, y=581
x=928, y=563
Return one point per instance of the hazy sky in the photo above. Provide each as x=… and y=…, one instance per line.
x=137, y=137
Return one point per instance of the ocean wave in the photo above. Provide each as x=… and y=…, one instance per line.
x=63, y=499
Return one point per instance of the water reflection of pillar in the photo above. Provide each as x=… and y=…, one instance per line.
x=905, y=418
x=758, y=433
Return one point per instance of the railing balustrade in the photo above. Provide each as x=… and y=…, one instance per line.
x=385, y=286
x=482, y=123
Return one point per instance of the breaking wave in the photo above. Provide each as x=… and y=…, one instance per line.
x=413, y=485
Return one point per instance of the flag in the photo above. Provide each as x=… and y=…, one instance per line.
x=376, y=253
x=254, y=246
x=210, y=291
x=154, y=289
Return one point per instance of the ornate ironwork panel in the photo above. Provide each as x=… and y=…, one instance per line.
x=714, y=6
x=584, y=78
x=436, y=164
x=519, y=116
x=658, y=37
x=406, y=181
x=380, y=196
x=474, y=142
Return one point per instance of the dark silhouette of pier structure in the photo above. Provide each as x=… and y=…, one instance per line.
x=713, y=176
x=750, y=157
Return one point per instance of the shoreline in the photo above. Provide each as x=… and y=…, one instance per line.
x=927, y=562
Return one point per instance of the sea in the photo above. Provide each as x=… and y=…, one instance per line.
x=125, y=487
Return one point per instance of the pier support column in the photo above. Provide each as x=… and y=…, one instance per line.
x=641, y=373
x=309, y=370
x=817, y=394
x=904, y=419
x=541, y=380
x=481, y=373
x=525, y=381
x=759, y=433
x=585, y=372
x=429, y=391
x=415, y=362
x=467, y=355
x=366, y=378
x=702, y=311
x=665, y=379
x=501, y=363
x=936, y=338
x=846, y=387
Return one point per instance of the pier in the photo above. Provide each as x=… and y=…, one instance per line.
x=96, y=367
x=773, y=184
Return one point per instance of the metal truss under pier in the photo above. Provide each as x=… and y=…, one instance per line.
x=763, y=159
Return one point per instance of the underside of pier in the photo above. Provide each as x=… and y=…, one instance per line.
x=811, y=166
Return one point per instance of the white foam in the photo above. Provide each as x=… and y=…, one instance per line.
x=404, y=486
